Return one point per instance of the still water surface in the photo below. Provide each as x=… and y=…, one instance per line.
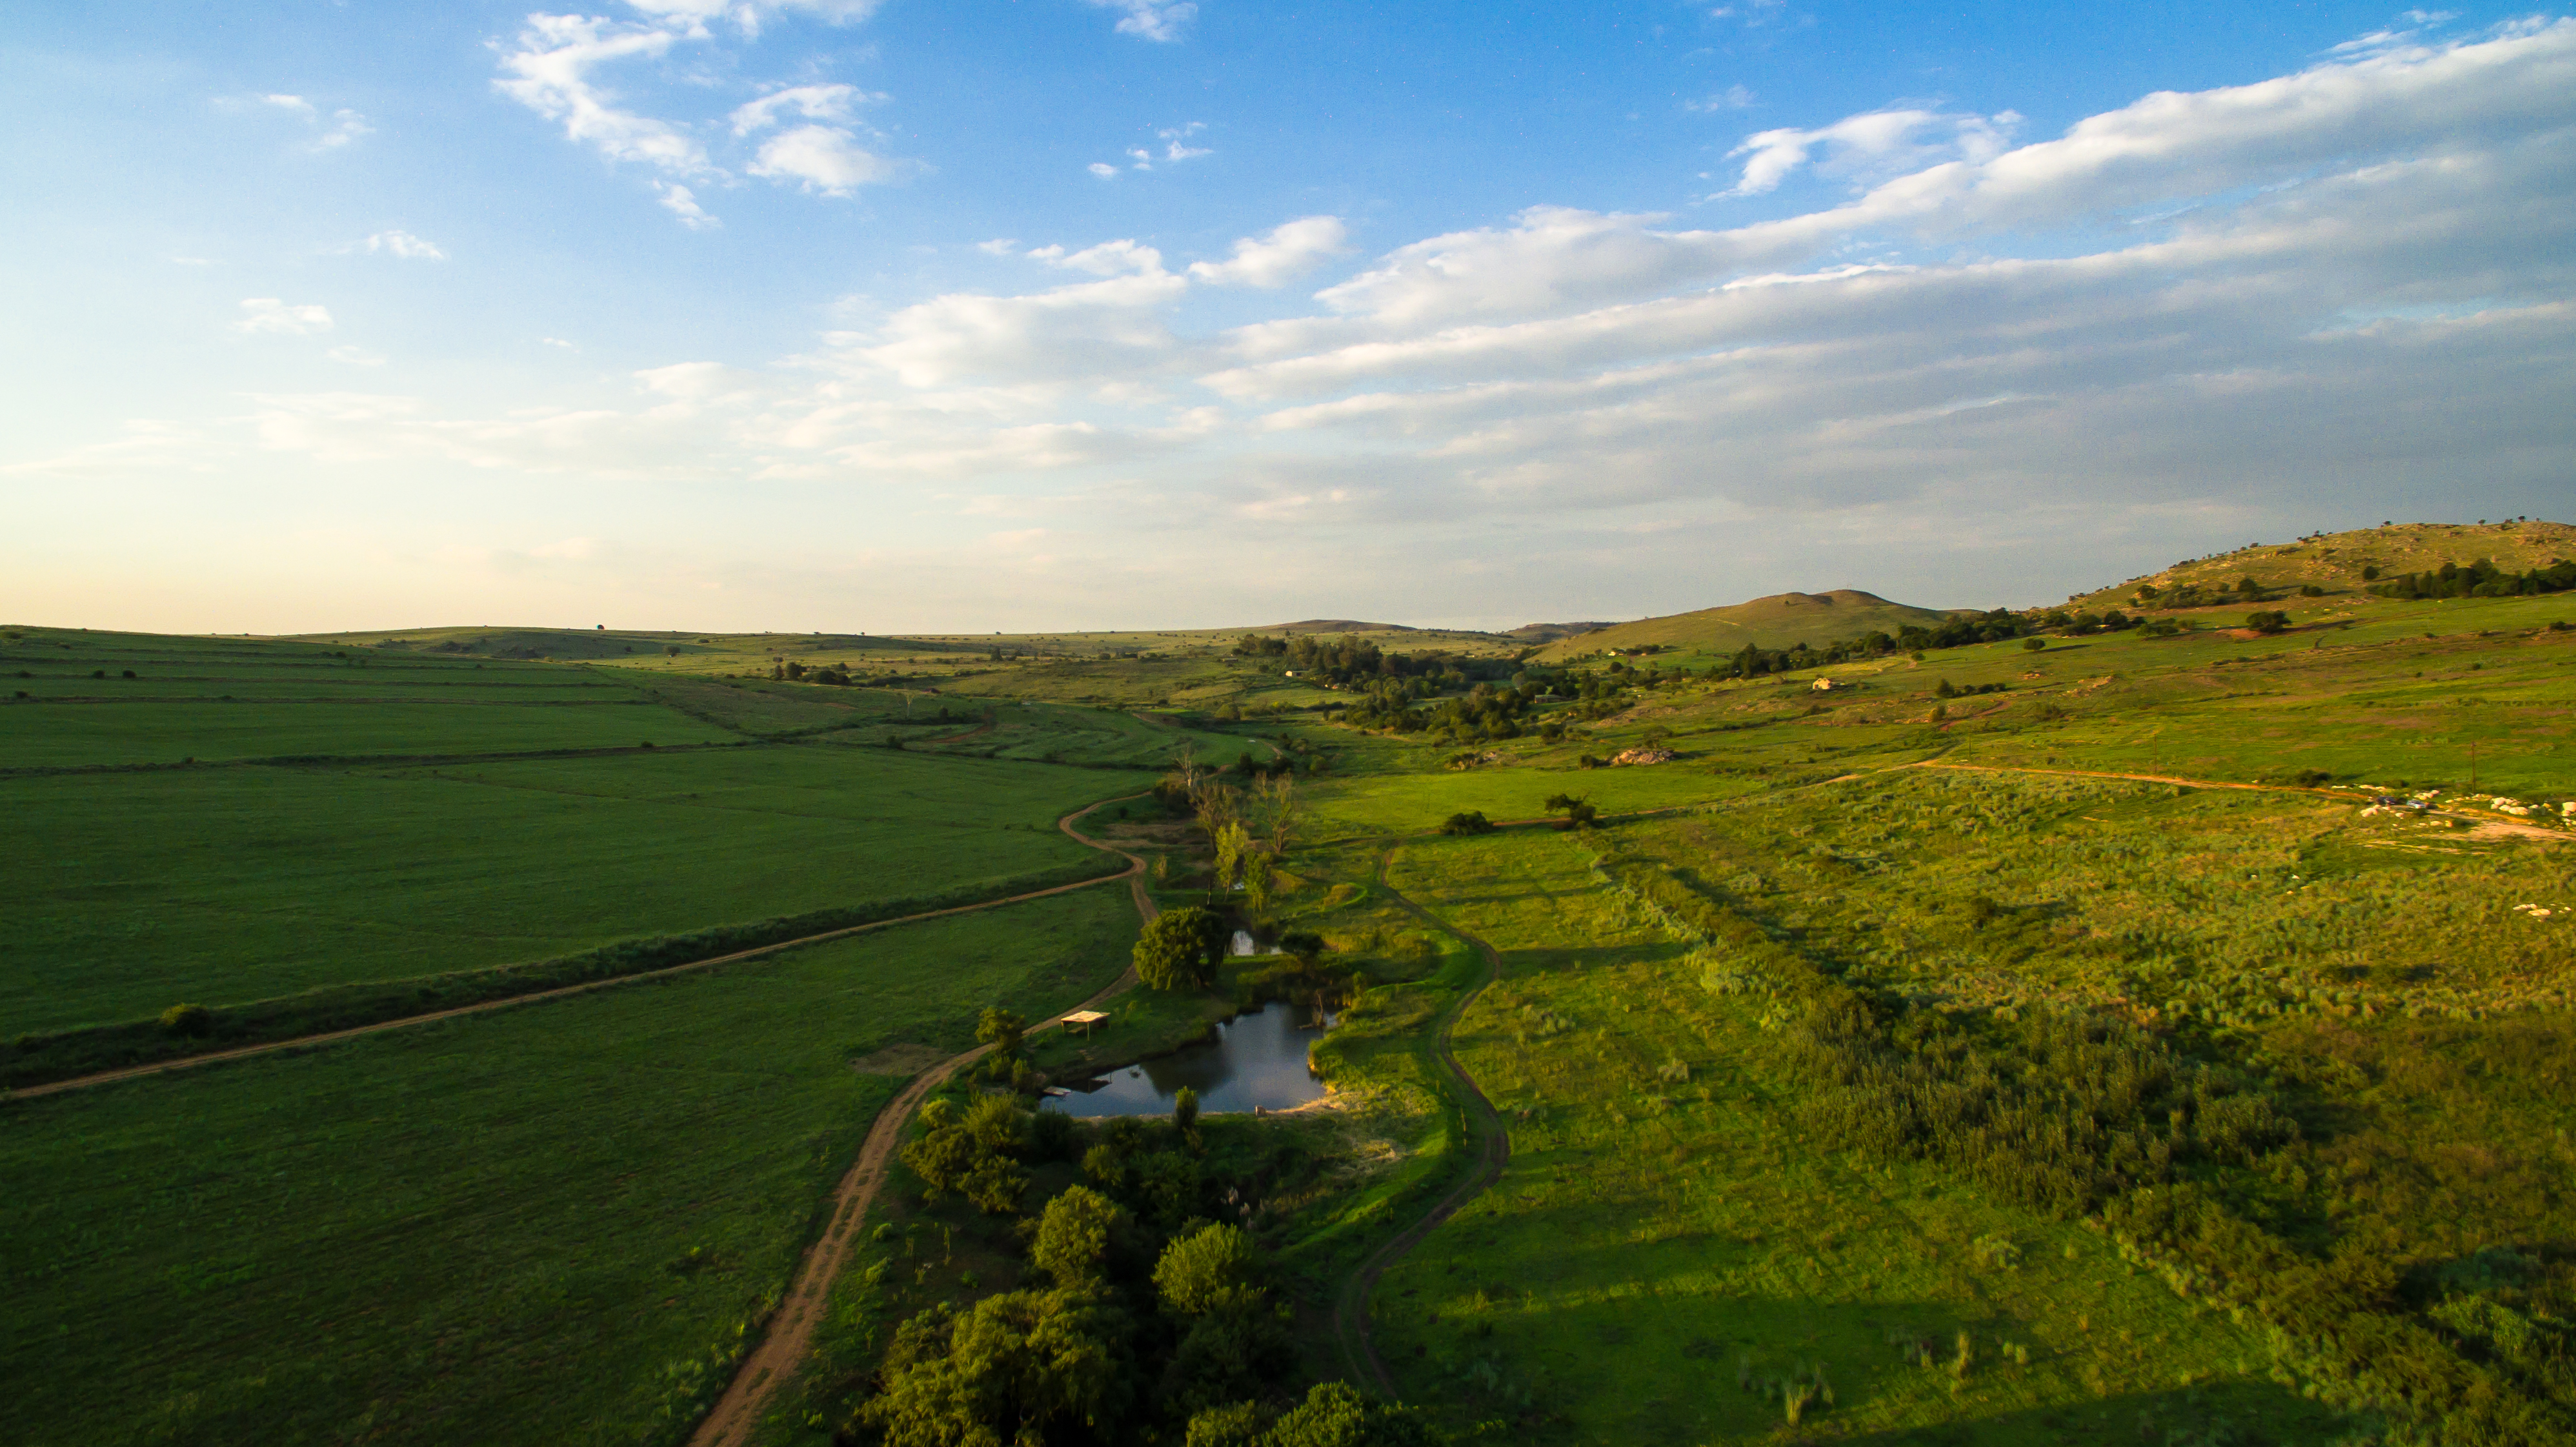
x=1256, y=1059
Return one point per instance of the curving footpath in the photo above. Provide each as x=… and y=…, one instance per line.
x=1493, y=1151
x=791, y=1328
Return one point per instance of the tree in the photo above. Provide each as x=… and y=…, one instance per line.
x=1074, y=1235
x=1337, y=1414
x=1280, y=814
x=1180, y=948
x=1472, y=822
x=1215, y=1268
x=673, y=649
x=1232, y=842
x=2034, y=644
x=1185, y=1111
x=1578, y=813
x=2267, y=621
x=1023, y=1366
x=1002, y=1029
x=1305, y=946
x=188, y=1020
x=1260, y=872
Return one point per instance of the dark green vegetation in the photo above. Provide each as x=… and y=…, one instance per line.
x=552, y=1224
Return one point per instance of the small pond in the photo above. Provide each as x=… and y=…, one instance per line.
x=1257, y=1059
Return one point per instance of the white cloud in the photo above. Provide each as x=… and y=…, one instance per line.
x=346, y=125
x=1103, y=170
x=748, y=14
x=680, y=201
x=270, y=316
x=1288, y=252
x=822, y=158
x=558, y=342
x=1109, y=258
x=402, y=244
x=1873, y=145
x=550, y=73
x=1151, y=19
x=1176, y=145
x=998, y=246
x=813, y=102
x=1733, y=98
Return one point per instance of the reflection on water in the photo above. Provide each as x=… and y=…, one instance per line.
x=1256, y=1060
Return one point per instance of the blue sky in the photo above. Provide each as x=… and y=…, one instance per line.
x=1068, y=314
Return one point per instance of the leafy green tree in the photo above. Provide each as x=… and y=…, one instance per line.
x=943, y=1159
x=1472, y=822
x=1180, y=948
x=1236, y=1424
x=1020, y=1367
x=1337, y=1414
x=1004, y=1030
x=1231, y=841
x=1185, y=1111
x=2267, y=621
x=1074, y=1236
x=2034, y=644
x=1211, y=1269
x=996, y=1186
x=1304, y=945
x=997, y=1125
x=1260, y=874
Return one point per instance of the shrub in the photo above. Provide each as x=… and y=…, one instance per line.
x=2034, y=644
x=2267, y=621
x=1180, y=948
x=188, y=1020
x=1185, y=1111
x=1473, y=822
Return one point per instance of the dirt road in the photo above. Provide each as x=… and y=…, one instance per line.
x=790, y=1333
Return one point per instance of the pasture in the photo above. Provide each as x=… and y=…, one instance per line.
x=546, y=1225
x=250, y=883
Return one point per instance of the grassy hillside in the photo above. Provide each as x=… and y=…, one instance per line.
x=1775, y=622
x=2335, y=561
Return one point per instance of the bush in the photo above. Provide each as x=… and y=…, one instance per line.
x=1473, y=822
x=2034, y=644
x=191, y=1021
x=1180, y=948
x=1212, y=1269
x=1074, y=1236
x=2267, y=621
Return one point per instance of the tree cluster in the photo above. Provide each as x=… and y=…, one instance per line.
x=1149, y=1314
x=2481, y=579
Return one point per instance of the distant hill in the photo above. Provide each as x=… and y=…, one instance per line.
x=1775, y=622
x=2335, y=561
x=1550, y=632
x=594, y=644
x=1336, y=625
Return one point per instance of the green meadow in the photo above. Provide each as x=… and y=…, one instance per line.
x=224, y=885
x=548, y=1224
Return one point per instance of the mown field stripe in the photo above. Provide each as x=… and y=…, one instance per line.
x=1134, y=873
x=1493, y=1152
x=790, y=1332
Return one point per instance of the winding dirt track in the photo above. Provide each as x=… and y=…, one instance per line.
x=791, y=1328
x=1493, y=1152
x=2483, y=824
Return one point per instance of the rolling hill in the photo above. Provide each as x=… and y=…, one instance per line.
x=2335, y=561
x=1775, y=622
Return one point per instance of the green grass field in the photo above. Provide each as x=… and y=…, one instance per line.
x=544, y=1225
x=225, y=885
x=1878, y=1041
